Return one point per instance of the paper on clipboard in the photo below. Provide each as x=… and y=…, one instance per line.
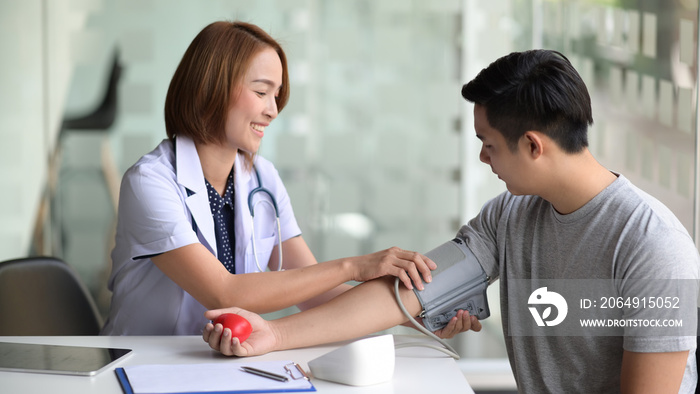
x=226, y=377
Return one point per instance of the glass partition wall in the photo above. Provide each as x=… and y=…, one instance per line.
x=639, y=59
x=376, y=146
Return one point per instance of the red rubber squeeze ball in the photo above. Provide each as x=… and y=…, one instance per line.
x=239, y=326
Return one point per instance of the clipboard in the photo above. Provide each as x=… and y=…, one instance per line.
x=220, y=378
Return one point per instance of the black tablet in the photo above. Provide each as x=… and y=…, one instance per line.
x=58, y=359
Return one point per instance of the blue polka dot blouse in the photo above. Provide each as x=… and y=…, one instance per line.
x=222, y=211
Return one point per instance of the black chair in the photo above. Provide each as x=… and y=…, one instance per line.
x=103, y=115
x=44, y=296
x=98, y=121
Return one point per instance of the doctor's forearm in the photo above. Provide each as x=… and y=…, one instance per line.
x=198, y=272
x=306, y=287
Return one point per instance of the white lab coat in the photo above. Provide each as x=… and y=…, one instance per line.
x=163, y=198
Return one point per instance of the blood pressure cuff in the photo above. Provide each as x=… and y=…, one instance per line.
x=459, y=282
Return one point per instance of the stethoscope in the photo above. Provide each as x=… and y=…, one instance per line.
x=272, y=202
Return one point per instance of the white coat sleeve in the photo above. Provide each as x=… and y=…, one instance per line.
x=153, y=213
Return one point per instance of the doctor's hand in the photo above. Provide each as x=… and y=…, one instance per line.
x=261, y=340
x=406, y=265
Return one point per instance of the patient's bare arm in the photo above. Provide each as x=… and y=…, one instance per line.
x=365, y=309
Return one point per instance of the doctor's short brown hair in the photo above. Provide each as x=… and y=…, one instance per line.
x=202, y=87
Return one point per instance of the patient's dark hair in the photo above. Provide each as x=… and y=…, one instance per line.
x=534, y=90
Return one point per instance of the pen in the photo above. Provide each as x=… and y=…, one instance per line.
x=265, y=374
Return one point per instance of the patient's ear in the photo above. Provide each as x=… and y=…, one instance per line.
x=534, y=144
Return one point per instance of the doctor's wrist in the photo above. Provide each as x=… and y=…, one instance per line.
x=349, y=270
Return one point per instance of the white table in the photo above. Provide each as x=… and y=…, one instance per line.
x=418, y=369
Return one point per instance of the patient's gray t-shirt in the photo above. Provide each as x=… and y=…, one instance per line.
x=621, y=233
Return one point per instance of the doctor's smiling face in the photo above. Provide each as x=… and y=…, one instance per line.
x=253, y=105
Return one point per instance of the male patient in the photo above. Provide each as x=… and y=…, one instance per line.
x=564, y=216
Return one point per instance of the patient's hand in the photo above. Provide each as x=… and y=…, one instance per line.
x=262, y=339
x=460, y=323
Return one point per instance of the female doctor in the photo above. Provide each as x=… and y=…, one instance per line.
x=185, y=238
